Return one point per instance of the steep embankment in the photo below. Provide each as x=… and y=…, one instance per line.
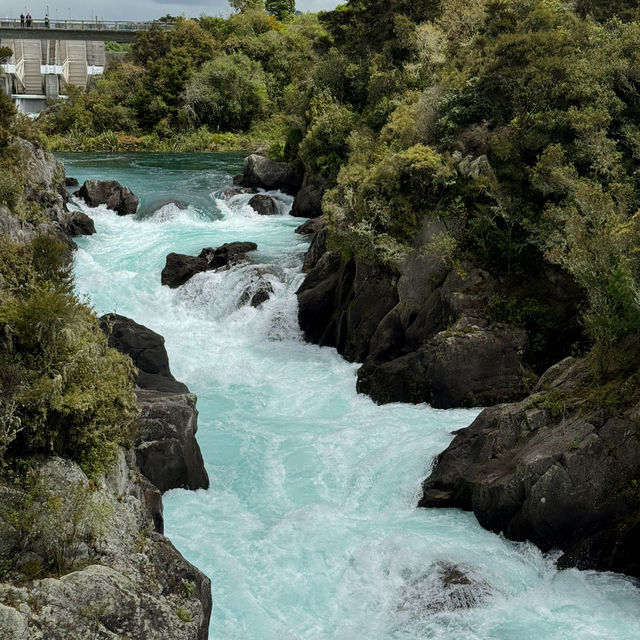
x=84, y=554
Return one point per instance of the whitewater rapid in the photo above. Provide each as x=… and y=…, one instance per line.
x=309, y=529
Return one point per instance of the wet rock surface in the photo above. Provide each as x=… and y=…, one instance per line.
x=110, y=193
x=558, y=468
x=179, y=268
x=80, y=224
x=264, y=205
x=167, y=451
x=308, y=201
x=263, y=173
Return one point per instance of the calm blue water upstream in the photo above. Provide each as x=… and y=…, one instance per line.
x=309, y=530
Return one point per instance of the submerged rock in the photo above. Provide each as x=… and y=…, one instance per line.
x=157, y=205
x=179, y=268
x=444, y=587
x=232, y=193
x=110, y=193
x=264, y=205
x=261, y=172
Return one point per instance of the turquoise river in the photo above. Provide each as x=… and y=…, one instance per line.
x=309, y=530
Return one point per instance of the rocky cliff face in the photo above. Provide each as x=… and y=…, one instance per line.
x=121, y=577
x=560, y=468
x=424, y=333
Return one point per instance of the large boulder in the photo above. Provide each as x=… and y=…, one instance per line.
x=559, y=468
x=179, y=268
x=264, y=205
x=308, y=201
x=311, y=226
x=465, y=366
x=80, y=224
x=263, y=173
x=146, y=348
x=340, y=304
x=166, y=448
x=110, y=193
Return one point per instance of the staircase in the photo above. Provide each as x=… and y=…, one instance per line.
x=74, y=63
x=28, y=57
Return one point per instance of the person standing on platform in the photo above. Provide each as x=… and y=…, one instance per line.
x=28, y=18
x=22, y=20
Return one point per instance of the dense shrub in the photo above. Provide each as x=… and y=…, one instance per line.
x=63, y=390
x=228, y=93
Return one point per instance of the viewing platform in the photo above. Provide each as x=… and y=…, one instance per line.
x=89, y=30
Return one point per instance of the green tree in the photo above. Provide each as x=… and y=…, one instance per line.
x=246, y=5
x=227, y=93
x=284, y=10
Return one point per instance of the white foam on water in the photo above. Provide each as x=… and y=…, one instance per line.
x=309, y=530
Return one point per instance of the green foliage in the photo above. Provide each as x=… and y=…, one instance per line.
x=283, y=10
x=11, y=187
x=184, y=614
x=323, y=149
x=246, y=5
x=64, y=391
x=227, y=93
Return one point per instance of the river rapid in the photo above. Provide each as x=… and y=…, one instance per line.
x=309, y=530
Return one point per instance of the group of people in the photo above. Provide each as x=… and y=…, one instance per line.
x=27, y=19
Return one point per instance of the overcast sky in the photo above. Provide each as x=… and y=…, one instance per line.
x=134, y=9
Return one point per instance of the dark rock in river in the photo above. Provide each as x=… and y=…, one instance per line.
x=308, y=201
x=264, y=205
x=179, y=268
x=146, y=348
x=80, y=224
x=166, y=448
x=465, y=366
x=559, y=468
x=341, y=303
x=70, y=182
x=110, y=193
x=231, y=193
x=313, y=225
x=422, y=333
x=317, y=248
x=261, y=172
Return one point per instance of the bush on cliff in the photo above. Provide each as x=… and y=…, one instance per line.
x=62, y=389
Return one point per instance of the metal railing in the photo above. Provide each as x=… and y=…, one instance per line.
x=85, y=25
